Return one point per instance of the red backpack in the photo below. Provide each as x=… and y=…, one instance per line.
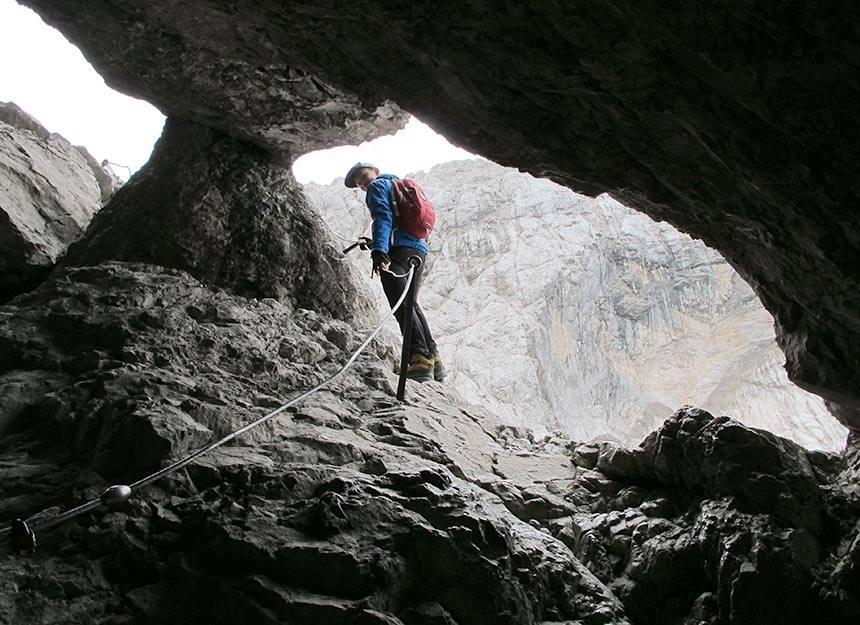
x=413, y=212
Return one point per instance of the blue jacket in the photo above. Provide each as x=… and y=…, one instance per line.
x=384, y=234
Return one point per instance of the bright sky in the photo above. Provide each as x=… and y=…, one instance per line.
x=413, y=149
x=49, y=78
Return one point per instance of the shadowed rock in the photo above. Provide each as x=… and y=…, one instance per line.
x=354, y=508
x=229, y=213
x=348, y=509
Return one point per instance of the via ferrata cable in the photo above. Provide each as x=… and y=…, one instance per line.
x=23, y=532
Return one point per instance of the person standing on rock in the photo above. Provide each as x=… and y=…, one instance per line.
x=391, y=249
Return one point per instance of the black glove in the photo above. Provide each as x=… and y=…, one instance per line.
x=379, y=259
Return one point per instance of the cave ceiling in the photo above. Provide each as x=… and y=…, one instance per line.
x=736, y=123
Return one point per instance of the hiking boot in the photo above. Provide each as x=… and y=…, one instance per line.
x=420, y=368
x=439, y=370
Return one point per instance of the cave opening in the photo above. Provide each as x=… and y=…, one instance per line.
x=636, y=300
x=558, y=311
x=358, y=509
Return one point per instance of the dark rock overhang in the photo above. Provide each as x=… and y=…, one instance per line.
x=737, y=124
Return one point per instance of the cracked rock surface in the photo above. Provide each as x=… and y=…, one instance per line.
x=50, y=191
x=349, y=509
x=195, y=303
x=353, y=508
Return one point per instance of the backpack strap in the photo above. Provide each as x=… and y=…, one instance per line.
x=392, y=200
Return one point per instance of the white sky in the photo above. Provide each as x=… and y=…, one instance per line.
x=412, y=149
x=49, y=78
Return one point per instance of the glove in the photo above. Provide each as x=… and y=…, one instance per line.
x=379, y=259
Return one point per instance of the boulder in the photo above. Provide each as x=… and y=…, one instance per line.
x=229, y=213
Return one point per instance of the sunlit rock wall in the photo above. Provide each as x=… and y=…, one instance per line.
x=48, y=195
x=564, y=312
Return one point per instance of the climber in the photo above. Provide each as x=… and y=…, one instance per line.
x=391, y=249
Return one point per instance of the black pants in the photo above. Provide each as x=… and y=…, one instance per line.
x=422, y=341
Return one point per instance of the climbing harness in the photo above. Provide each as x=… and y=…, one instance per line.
x=22, y=533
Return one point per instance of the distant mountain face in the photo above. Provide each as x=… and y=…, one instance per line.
x=562, y=312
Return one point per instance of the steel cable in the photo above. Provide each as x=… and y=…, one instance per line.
x=120, y=493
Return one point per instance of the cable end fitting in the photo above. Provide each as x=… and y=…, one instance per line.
x=415, y=261
x=22, y=537
x=115, y=496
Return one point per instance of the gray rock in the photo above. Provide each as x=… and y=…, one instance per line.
x=15, y=116
x=228, y=213
x=749, y=145
x=331, y=513
x=722, y=458
x=350, y=503
x=48, y=198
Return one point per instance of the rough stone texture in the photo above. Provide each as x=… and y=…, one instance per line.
x=351, y=508
x=759, y=525
x=228, y=213
x=556, y=311
x=735, y=122
x=48, y=194
x=16, y=117
x=267, y=97
x=348, y=509
x=738, y=126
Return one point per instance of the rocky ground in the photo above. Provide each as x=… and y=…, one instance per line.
x=157, y=335
x=352, y=508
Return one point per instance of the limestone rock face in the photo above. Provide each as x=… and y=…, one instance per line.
x=561, y=312
x=736, y=123
x=48, y=195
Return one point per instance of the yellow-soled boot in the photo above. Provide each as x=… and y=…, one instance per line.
x=439, y=370
x=420, y=368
